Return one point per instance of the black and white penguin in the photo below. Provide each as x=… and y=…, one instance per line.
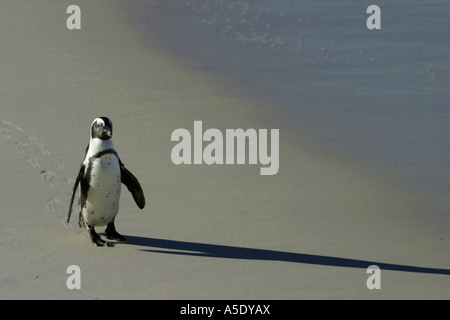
x=100, y=177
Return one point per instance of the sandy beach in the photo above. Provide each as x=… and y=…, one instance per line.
x=207, y=232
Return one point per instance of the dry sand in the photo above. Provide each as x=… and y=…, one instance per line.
x=207, y=232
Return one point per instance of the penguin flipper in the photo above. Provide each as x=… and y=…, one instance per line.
x=77, y=181
x=128, y=179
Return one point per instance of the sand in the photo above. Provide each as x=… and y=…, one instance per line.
x=207, y=232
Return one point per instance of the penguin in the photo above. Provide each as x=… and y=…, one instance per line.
x=100, y=177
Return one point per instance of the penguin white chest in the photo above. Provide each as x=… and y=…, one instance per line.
x=103, y=196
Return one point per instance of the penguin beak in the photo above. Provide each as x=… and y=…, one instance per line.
x=108, y=132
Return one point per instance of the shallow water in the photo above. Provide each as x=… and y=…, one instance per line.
x=380, y=96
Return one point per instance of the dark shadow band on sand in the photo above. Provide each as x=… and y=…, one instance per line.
x=231, y=252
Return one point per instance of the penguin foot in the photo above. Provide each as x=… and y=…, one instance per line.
x=95, y=238
x=101, y=243
x=112, y=234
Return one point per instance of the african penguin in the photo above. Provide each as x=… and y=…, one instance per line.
x=100, y=177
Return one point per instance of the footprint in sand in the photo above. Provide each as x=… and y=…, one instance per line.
x=34, y=162
x=5, y=133
x=20, y=147
x=60, y=166
x=51, y=205
x=47, y=177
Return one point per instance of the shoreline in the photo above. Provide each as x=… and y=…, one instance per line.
x=205, y=230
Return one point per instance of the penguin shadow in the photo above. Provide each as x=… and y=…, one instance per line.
x=186, y=248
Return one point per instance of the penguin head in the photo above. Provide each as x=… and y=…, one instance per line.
x=101, y=128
